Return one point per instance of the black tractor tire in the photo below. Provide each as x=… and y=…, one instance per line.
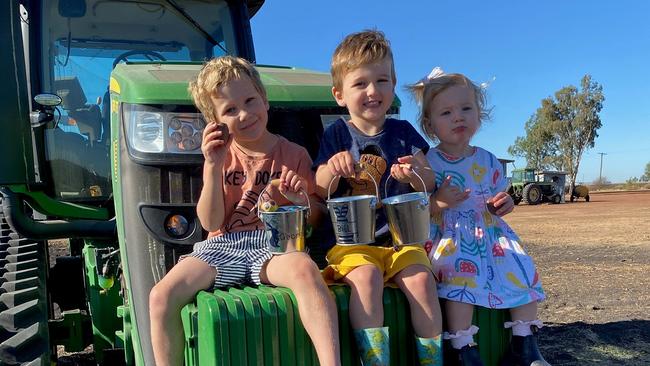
x=532, y=194
x=587, y=198
x=24, y=308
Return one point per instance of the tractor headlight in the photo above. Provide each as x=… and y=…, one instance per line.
x=162, y=130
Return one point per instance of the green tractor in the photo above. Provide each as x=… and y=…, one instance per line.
x=101, y=152
x=533, y=187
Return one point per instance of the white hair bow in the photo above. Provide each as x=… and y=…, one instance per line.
x=435, y=73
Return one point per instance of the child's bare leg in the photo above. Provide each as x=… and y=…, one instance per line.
x=523, y=318
x=367, y=290
x=166, y=300
x=526, y=312
x=458, y=315
x=317, y=309
x=419, y=286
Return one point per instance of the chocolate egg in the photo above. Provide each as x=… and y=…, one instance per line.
x=224, y=131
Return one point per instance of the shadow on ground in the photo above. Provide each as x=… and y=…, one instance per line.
x=616, y=343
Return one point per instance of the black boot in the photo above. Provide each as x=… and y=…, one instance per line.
x=523, y=351
x=467, y=356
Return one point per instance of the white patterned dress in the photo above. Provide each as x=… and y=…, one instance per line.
x=476, y=256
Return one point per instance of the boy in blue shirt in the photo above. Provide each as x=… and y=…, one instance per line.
x=364, y=82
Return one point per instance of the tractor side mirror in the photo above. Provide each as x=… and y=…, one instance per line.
x=48, y=100
x=45, y=113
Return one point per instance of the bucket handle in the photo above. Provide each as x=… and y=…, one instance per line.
x=424, y=186
x=259, y=198
x=362, y=166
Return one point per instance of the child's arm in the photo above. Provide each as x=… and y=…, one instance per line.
x=403, y=171
x=341, y=164
x=447, y=196
x=210, y=207
x=294, y=188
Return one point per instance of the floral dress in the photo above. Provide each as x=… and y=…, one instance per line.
x=476, y=256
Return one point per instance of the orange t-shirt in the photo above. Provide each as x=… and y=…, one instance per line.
x=244, y=178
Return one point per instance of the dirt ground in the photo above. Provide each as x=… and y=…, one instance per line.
x=593, y=258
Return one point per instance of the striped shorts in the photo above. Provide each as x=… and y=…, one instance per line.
x=237, y=257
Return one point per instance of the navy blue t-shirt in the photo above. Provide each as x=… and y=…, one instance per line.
x=398, y=138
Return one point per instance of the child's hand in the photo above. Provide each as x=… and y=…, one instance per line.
x=215, y=142
x=342, y=164
x=403, y=171
x=449, y=196
x=293, y=187
x=502, y=203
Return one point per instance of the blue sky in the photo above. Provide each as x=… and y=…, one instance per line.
x=532, y=48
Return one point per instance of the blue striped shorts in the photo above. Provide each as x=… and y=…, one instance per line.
x=237, y=257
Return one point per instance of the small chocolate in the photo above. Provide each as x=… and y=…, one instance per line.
x=224, y=131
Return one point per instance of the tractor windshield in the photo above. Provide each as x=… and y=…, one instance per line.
x=82, y=41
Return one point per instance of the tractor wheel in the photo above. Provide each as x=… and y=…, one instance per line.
x=587, y=198
x=532, y=194
x=24, y=309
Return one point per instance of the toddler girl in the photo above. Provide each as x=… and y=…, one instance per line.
x=476, y=256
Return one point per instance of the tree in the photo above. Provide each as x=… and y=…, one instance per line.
x=646, y=176
x=539, y=146
x=571, y=118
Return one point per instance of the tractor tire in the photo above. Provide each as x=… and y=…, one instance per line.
x=587, y=198
x=532, y=194
x=24, y=308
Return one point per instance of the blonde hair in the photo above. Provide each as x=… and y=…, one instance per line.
x=359, y=49
x=427, y=89
x=216, y=73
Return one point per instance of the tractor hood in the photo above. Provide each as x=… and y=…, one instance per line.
x=156, y=83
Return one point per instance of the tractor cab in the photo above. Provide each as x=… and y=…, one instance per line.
x=73, y=46
x=523, y=175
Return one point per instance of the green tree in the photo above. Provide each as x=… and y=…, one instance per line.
x=539, y=146
x=646, y=176
x=571, y=117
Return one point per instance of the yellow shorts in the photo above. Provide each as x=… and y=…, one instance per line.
x=342, y=259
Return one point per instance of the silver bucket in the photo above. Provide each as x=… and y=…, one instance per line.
x=408, y=216
x=284, y=227
x=353, y=217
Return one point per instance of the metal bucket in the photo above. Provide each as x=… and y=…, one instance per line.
x=408, y=216
x=284, y=227
x=353, y=217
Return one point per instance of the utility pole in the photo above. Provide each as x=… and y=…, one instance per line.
x=600, y=177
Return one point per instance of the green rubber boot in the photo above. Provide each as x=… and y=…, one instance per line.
x=373, y=346
x=429, y=350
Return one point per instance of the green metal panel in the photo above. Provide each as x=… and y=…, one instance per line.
x=261, y=326
x=17, y=166
x=146, y=83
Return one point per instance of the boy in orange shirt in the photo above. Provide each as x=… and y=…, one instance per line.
x=237, y=168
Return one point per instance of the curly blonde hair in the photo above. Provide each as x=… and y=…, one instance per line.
x=427, y=89
x=216, y=73
x=359, y=49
